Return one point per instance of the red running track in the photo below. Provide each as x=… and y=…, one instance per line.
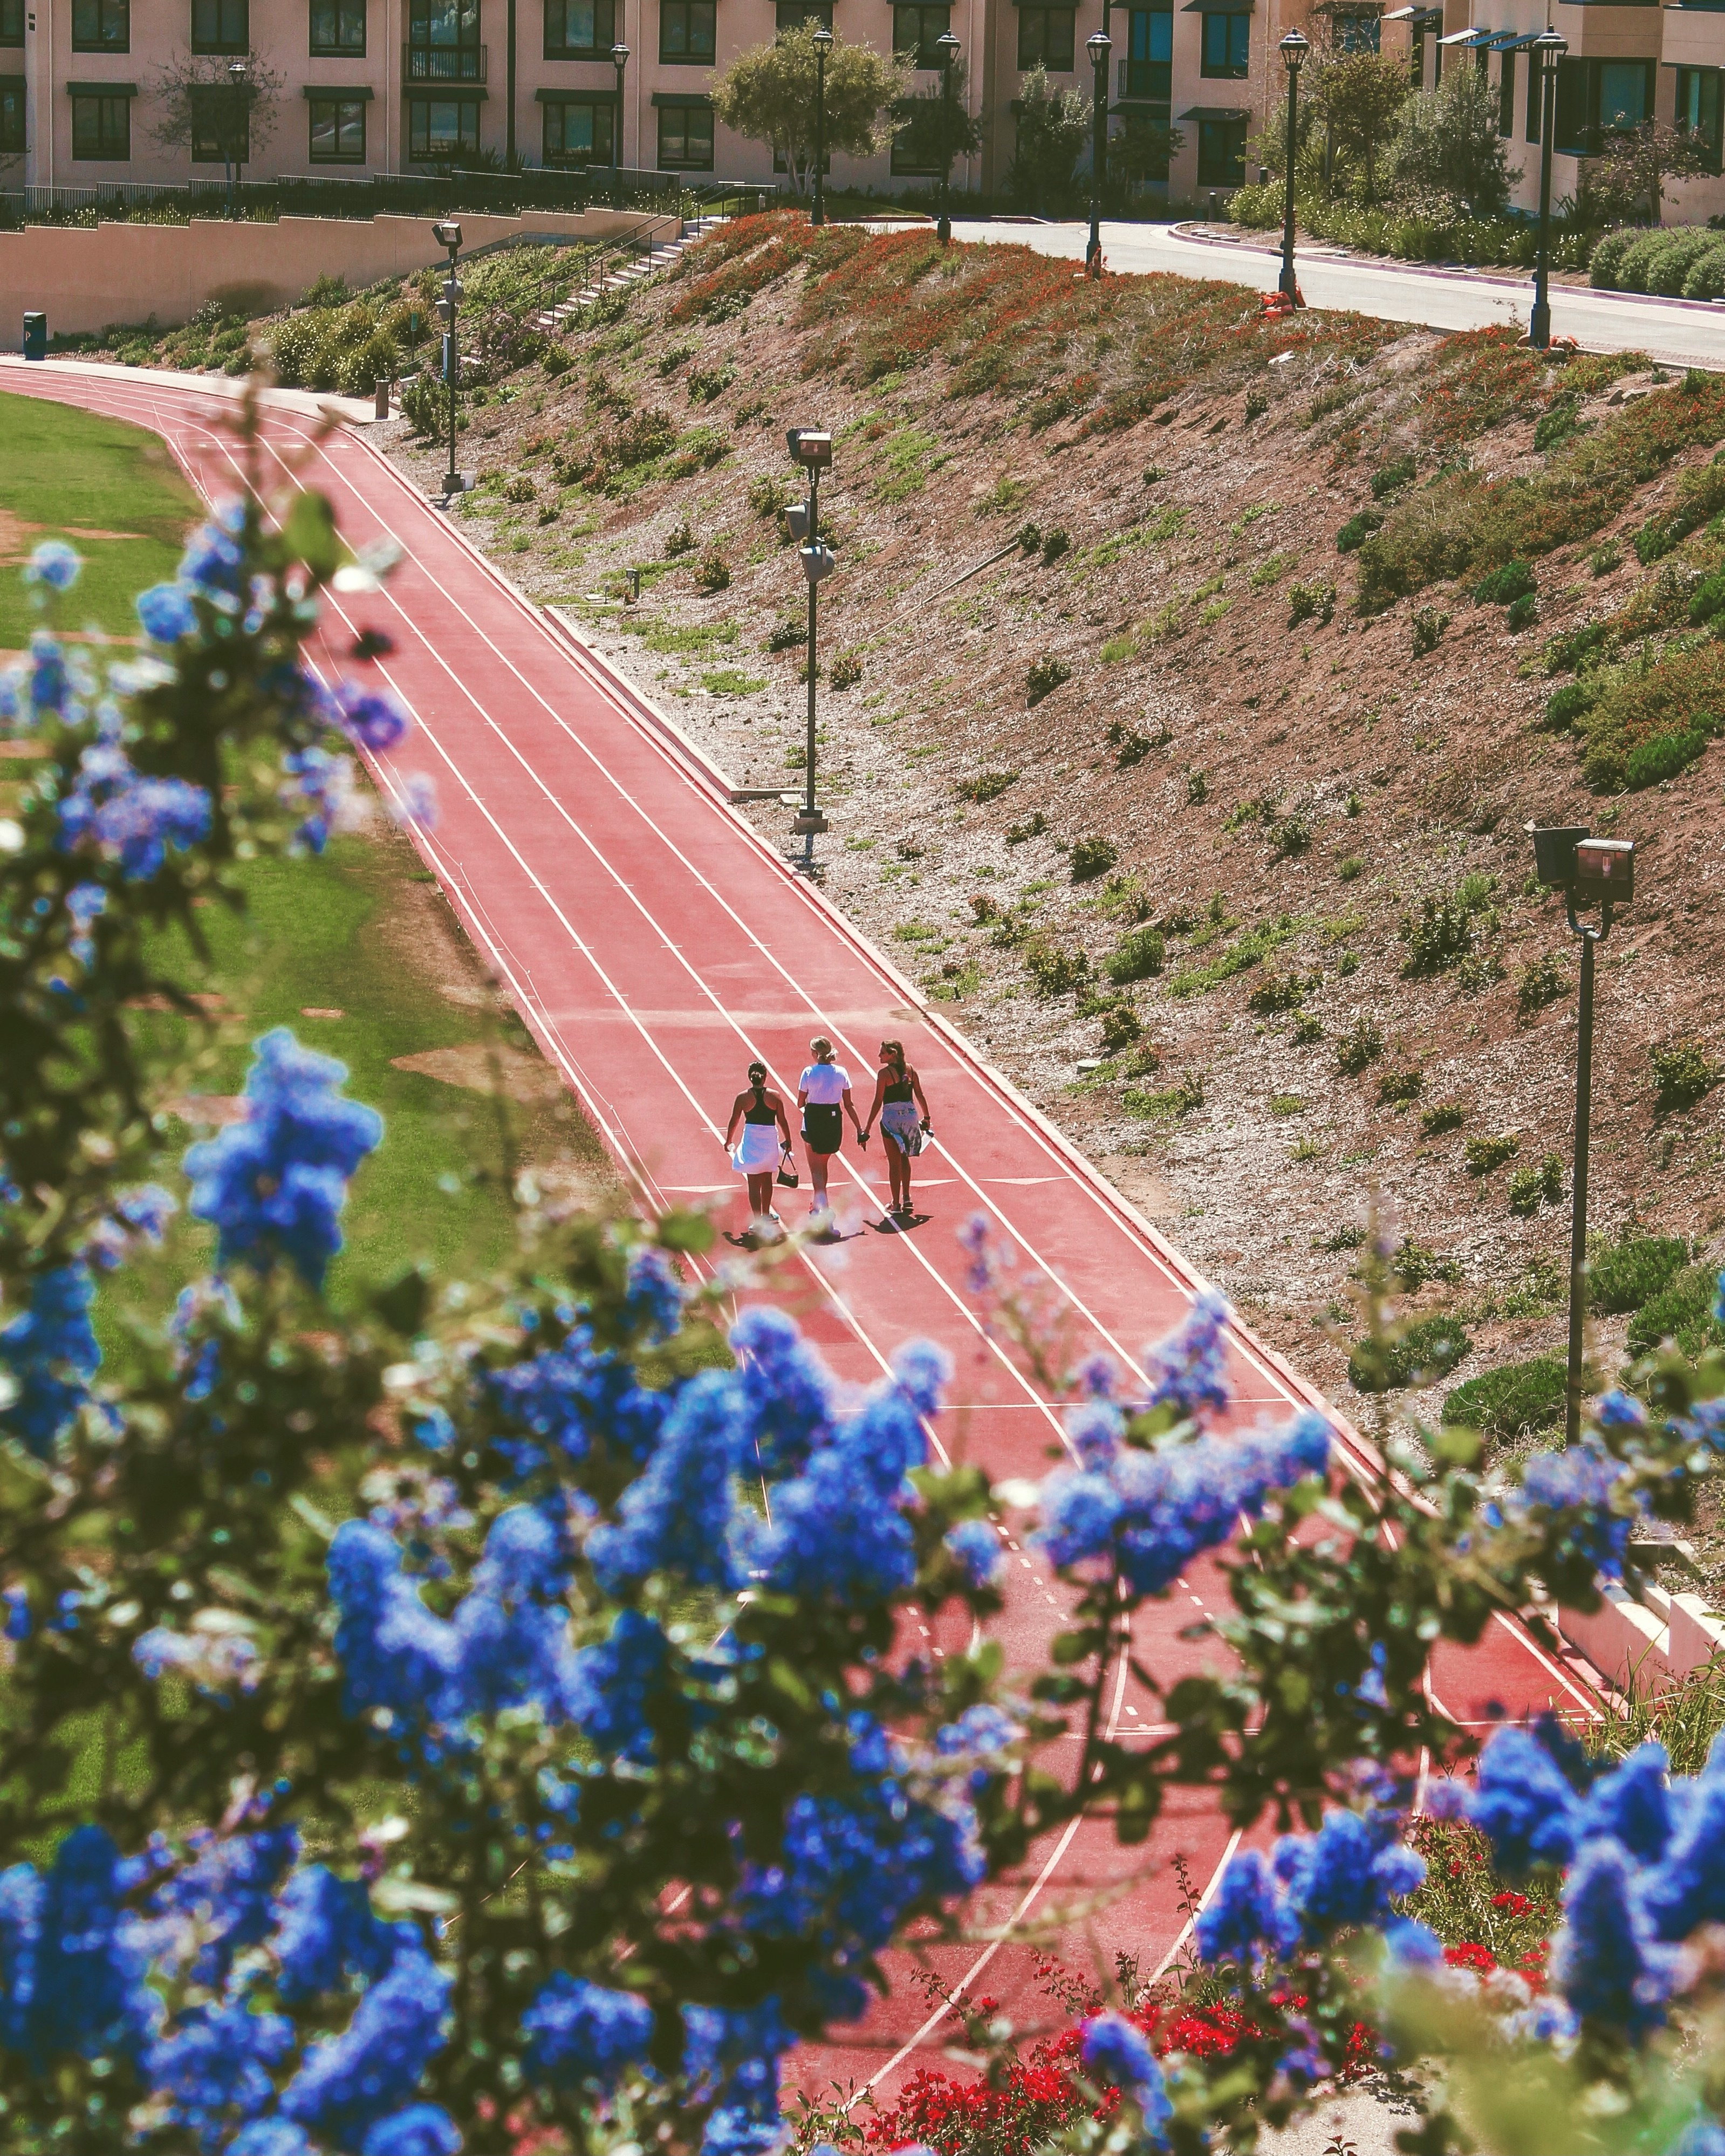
x=655, y=944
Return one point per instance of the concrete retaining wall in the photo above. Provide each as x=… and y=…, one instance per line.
x=85, y=279
x=1650, y=1644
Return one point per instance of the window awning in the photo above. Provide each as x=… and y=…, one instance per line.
x=1126, y=104
x=673, y=99
x=1218, y=7
x=346, y=91
x=1218, y=112
x=1468, y=38
x=1519, y=44
x=1421, y=15
x=577, y=96
x=101, y=89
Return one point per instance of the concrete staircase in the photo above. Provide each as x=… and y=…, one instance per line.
x=618, y=277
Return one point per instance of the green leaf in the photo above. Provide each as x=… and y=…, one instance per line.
x=309, y=535
x=1069, y=1647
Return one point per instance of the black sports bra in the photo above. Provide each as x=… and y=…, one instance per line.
x=760, y=1113
x=900, y=1091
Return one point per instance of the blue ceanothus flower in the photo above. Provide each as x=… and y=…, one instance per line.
x=50, y=1352
x=274, y=1184
x=1117, y=2055
x=581, y=2034
x=1346, y=1875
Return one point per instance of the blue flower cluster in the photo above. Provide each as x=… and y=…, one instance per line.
x=1312, y=1886
x=72, y=1962
x=54, y=564
x=128, y=818
x=274, y=1184
x=581, y=2034
x=50, y=1352
x=1570, y=1492
x=1117, y=2054
x=1645, y=1852
x=1144, y=1514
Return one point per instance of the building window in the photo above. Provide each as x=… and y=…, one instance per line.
x=11, y=115
x=221, y=26
x=101, y=26
x=1700, y=111
x=1227, y=47
x=442, y=43
x=685, y=137
x=578, y=131
x=338, y=131
x=792, y=14
x=12, y=22
x=580, y=29
x=1150, y=53
x=439, y=128
x=1221, y=152
x=338, y=29
x=221, y=125
x=687, y=31
x=1507, y=97
x=102, y=128
x=915, y=29
x=1359, y=33
x=1596, y=98
x=1045, y=39
x=1145, y=135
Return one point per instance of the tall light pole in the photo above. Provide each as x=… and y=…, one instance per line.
x=1098, y=46
x=1294, y=49
x=448, y=235
x=1589, y=872
x=823, y=46
x=947, y=45
x=230, y=134
x=620, y=60
x=1549, y=50
x=812, y=448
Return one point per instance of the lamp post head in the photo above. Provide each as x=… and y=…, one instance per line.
x=811, y=447
x=619, y=57
x=1551, y=46
x=236, y=71
x=947, y=45
x=447, y=234
x=1099, y=45
x=823, y=41
x=1294, y=49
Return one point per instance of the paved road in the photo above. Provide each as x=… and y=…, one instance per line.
x=1681, y=332
x=654, y=944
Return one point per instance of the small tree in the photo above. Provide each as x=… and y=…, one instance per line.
x=936, y=131
x=767, y=94
x=1053, y=125
x=1358, y=97
x=200, y=94
x=1448, y=143
x=1142, y=149
x=1625, y=183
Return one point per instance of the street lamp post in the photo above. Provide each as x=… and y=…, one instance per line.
x=1548, y=50
x=1589, y=872
x=448, y=234
x=812, y=448
x=947, y=45
x=1098, y=46
x=230, y=133
x=1294, y=49
x=620, y=60
x=823, y=46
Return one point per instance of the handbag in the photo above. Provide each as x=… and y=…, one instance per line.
x=786, y=1176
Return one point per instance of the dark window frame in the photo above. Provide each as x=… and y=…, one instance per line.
x=107, y=112
x=693, y=15
x=222, y=37
x=556, y=159
x=340, y=46
x=1711, y=134
x=12, y=23
x=467, y=31
x=1051, y=44
x=691, y=160
x=416, y=106
x=336, y=106
x=1221, y=153
x=558, y=48
x=1506, y=96
x=1150, y=73
x=113, y=16
x=215, y=140
x=1163, y=117
x=13, y=135
x=1232, y=28
x=922, y=46
x=1579, y=130
x=792, y=14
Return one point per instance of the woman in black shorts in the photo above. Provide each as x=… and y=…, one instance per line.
x=823, y=1095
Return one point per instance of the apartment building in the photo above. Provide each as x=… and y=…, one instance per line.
x=369, y=86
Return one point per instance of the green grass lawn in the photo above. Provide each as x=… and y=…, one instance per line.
x=67, y=475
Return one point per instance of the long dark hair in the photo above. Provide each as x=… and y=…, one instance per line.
x=896, y=1050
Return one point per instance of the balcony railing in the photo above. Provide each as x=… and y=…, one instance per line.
x=440, y=64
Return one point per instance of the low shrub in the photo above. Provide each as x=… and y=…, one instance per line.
x=1429, y=624
x=1683, y=1312
x=847, y=669
x=1280, y=992
x=787, y=633
x=1314, y=601
x=712, y=572
x=1055, y=969
x=1446, y=1115
x=987, y=785
x=1707, y=599
x=1567, y=704
x=1683, y=1075
x=1416, y=1264
x=1706, y=279
x=520, y=488
x=1515, y=1401
x=1441, y=933
x=1179, y=1098
x=1418, y=1355
x=1291, y=836
x=1530, y=1186
x=1046, y=675
x=1504, y=586
x=1400, y=1089
x=1607, y=261
x=1121, y=1028
x=1544, y=980
x=1556, y=424
x=1683, y=695
x=707, y=384
x=1033, y=827
x=1305, y=1029
x=1391, y=478
x=1137, y=956
x=1055, y=543
x=1092, y=857
x=1701, y=496
x=1624, y=1274
x=1358, y=528
x=1661, y=758
x=1522, y=615
x=678, y=540
x=1360, y=1046
x=765, y=496
x=1480, y=1156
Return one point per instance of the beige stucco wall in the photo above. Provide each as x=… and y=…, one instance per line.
x=85, y=279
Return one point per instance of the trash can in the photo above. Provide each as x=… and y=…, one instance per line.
x=380, y=407
x=35, y=335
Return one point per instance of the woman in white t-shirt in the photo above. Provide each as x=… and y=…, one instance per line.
x=823, y=1095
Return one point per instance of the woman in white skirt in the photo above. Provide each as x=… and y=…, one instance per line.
x=823, y=1095
x=766, y=1136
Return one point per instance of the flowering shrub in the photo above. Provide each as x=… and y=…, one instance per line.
x=470, y=1719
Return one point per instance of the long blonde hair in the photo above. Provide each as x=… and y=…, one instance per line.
x=821, y=1048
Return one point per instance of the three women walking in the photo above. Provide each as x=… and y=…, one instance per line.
x=758, y=1136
